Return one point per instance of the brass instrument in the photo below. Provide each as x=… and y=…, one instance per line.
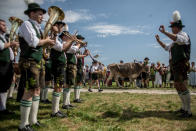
x=55, y=14
x=75, y=39
x=15, y=22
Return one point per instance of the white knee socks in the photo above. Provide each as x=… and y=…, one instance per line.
x=66, y=96
x=55, y=102
x=25, y=107
x=34, y=110
x=3, y=101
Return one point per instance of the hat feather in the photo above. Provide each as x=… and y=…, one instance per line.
x=176, y=16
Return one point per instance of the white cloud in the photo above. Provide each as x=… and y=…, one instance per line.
x=80, y=15
x=96, y=52
x=53, y=1
x=105, y=30
x=154, y=45
x=14, y=8
x=10, y=8
x=95, y=45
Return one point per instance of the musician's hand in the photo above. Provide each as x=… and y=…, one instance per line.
x=86, y=52
x=14, y=44
x=162, y=29
x=157, y=38
x=55, y=29
x=50, y=41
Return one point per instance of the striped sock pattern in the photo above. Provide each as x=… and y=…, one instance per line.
x=66, y=96
x=55, y=102
x=25, y=107
x=34, y=110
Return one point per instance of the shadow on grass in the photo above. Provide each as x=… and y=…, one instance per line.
x=9, y=128
x=12, y=107
x=111, y=114
x=129, y=114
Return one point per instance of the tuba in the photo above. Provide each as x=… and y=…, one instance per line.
x=55, y=14
x=15, y=23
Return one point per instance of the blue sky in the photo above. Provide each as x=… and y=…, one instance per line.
x=121, y=29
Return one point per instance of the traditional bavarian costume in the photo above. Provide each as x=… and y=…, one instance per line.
x=6, y=71
x=179, y=54
x=71, y=72
x=31, y=67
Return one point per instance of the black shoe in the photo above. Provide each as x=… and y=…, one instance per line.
x=10, y=98
x=180, y=111
x=66, y=107
x=47, y=101
x=71, y=106
x=186, y=115
x=90, y=90
x=26, y=128
x=59, y=114
x=77, y=101
x=100, y=90
x=38, y=124
x=42, y=101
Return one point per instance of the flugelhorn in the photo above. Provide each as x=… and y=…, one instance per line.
x=55, y=14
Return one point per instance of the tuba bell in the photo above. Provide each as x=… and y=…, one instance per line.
x=55, y=14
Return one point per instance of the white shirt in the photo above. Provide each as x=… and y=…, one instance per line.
x=27, y=31
x=182, y=39
x=100, y=67
x=73, y=49
x=94, y=68
x=59, y=45
x=3, y=47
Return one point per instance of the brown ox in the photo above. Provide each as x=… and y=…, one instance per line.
x=126, y=70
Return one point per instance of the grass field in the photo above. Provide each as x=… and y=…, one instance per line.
x=111, y=112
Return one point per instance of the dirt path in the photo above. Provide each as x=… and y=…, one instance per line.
x=142, y=91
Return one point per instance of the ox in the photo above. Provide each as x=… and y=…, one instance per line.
x=126, y=70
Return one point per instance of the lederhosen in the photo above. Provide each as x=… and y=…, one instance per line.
x=79, y=76
x=71, y=69
x=145, y=75
x=180, y=61
x=31, y=62
x=152, y=74
x=94, y=76
x=6, y=69
x=48, y=69
x=58, y=66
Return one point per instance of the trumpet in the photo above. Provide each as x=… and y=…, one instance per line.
x=83, y=43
